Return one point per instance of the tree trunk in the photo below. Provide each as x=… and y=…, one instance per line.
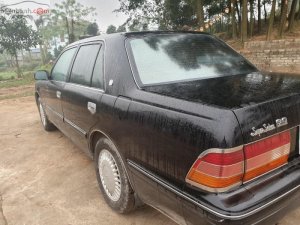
x=68, y=29
x=259, y=16
x=298, y=16
x=238, y=12
x=30, y=56
x=233, y=20
x=292, y=15
x=265, y=10
x=19, y=72
x=42, y=53
x=283, y=17
x=271, y=20
x=72, y=36
x=200, y=13
x=244, y=27
x=252, y=19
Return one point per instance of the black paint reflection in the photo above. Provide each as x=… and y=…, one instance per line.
x=233, y=91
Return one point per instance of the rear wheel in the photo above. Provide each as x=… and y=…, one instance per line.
x=48, y=126
x=112, y=178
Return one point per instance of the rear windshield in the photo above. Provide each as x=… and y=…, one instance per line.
x=181, y=57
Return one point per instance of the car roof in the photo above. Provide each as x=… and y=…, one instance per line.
x=125, y=35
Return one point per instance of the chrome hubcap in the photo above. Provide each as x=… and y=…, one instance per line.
x=43, y=115
x=109, y=175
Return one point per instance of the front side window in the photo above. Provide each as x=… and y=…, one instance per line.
x=181, y=57
x=84, y=64
x=60, y=69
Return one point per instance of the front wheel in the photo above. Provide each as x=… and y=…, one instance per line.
x=48, y=126
x=112, y=178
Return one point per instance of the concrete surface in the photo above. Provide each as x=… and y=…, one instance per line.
x=46, y=180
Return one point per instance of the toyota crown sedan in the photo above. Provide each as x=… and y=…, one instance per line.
x=181, y=122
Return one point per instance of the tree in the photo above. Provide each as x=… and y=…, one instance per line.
x=292, y=15
x=244, y=27
x=92, y=29
x=233, y=19
x=111, y=29
x=57, y=51
x=252, y=19
x=200, y=12
x=71, y=12
x=271, y=20
x=39, y=23
x=15, y=36
x=284, y=9
x=121, y=28
x=258, y=16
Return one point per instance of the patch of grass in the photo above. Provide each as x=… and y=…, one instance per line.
x=27, y=79
x=19, y=95
x=9, y=75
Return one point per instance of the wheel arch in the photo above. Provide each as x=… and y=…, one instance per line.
x=94, y=137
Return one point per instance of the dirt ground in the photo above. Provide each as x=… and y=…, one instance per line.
x=46, y=180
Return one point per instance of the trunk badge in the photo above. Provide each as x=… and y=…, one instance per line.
x=269, y=127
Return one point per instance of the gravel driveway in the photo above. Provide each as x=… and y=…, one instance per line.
x=45, y=179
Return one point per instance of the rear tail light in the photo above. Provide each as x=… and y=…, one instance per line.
x=266, y=155
x=219, y=170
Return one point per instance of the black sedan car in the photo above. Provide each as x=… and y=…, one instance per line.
x=181, y=122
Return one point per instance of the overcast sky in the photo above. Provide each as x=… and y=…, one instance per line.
x=104, y=9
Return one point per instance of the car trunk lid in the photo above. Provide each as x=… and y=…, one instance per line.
x=264, y=103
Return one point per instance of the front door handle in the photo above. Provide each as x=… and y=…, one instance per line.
x=58, y=94
x=91, y=107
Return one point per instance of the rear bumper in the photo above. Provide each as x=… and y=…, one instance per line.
x=263, y=201
x=270, y=214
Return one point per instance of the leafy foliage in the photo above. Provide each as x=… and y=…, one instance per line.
x=92, y=29
x=111, y=29
x=71, y=12
x=16, y=35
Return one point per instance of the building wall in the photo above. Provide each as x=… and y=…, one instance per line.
x=276, y=55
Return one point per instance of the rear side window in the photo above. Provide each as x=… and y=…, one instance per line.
x=84, y=64
x=60, y=69
x=98, y=74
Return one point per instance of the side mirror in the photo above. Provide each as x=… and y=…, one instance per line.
x=41, y=75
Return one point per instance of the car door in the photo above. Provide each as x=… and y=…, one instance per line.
x=82, y=93
x=53, y=89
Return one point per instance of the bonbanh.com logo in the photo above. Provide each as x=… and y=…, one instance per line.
x=26, y=7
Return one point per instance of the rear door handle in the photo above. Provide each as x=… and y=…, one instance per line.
x=58, y=94
x=91, y=107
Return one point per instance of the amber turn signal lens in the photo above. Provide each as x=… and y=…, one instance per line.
x=217, y=170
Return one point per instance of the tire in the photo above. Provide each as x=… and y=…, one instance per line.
x=48, y=126
x=112, y=178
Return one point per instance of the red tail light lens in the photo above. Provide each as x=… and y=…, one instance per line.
x=266, y=155
x=218, y=170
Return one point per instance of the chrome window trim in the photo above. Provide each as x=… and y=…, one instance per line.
x=87, y=87
x=102, y=44
x=189, y=198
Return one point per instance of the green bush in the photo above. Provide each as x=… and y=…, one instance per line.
x=47, y=67
x=30, y=67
